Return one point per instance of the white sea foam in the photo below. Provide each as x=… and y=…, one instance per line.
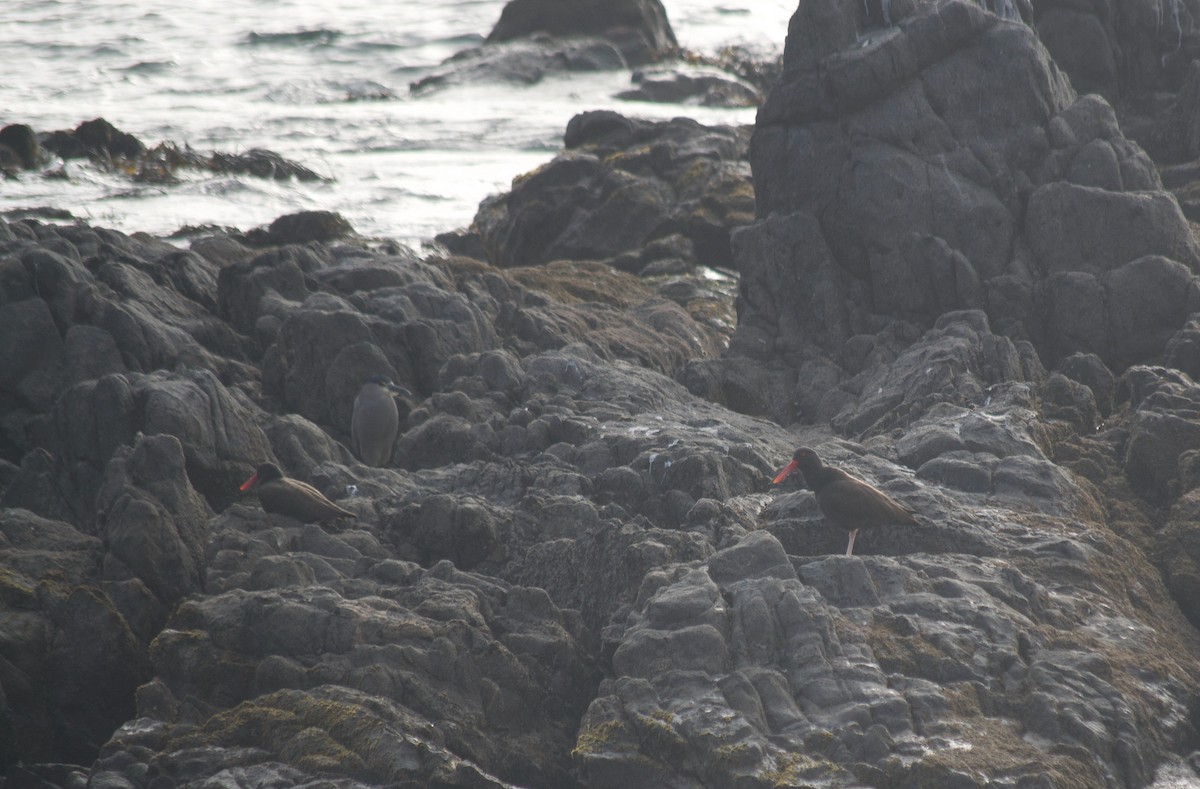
x=323, y=84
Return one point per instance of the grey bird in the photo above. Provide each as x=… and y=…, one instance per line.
x=376, y=420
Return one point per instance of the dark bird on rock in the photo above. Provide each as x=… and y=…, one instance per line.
x=846, y=501
x=286, y=496
x=376, y=421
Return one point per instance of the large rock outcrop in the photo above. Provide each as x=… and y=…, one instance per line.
x=629, y=192
x=534, y=38
x=1125, y=51
x=888, y=192
x=639, y=28
x=577, y=572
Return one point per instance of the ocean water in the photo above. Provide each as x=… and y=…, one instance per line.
x=323, y=83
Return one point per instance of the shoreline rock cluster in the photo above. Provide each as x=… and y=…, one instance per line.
x=23, y=148
x=574, y=569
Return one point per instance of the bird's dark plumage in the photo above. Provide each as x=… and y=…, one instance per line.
x=286, y=496
x=846, y=501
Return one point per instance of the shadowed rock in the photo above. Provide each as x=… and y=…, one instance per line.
x=22, y=142
x=96, y=139
x=535, y=38
x=621, y=185
x=72, y=660
x=639, y=599
x=300, y=228
x=153, y=522
x=638, y=27
x=91, y=421
x=641, y=608
x=881, y=204
x=708, y=88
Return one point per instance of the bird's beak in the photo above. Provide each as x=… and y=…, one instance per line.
x=782, y=475
x=248, y=483
x=399, y=390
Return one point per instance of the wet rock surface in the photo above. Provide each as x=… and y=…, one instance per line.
x=536, y=39
x=23, y=148
x=631, y=192
x=575, y=570
x=638, y=27
x=705, y=87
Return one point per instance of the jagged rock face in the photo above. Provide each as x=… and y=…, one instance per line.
x=888, y=191
x=154, y=523
x=620, y=186
x=1121, y=50
x=536, y=38
x=865, y=673
x=767, y=660
x=130, y=433
x=576, y=572
x=74, y=647
x=92, y=420
x=475, y=669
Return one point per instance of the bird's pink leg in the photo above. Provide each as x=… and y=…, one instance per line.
x=850, y=545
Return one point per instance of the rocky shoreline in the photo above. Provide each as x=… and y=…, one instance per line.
x=575, y=569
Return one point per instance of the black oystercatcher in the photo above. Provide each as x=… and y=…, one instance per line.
x=846, y=501
x=376, y=421
x=285, y=496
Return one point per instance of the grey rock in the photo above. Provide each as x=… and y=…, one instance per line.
x=533, y=39
x=72, y=660
x=926, y=442
x=270, y=281
x=34, y=350
x=706, y=87
x=639, y=27
x=463, y=532
x=641, y=606
x=621, y=528
x=1070, y=400
x=1182, y=351
x=883, y=202
x=524, y=61
x=92, y=420
x=1150, y=223
x=957, y=363
x=153, y=522
x=1162, y=428
x=306, y=226
x=515, y=677
x=961, y=470
x=677, y=176
x=23, y=142
x=757, y=556
x=1090, y=370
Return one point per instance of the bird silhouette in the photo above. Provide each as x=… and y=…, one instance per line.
x=286, y=496
x=846, y=501
x=376, y=420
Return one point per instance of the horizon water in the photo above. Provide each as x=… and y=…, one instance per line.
x=325, y=85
